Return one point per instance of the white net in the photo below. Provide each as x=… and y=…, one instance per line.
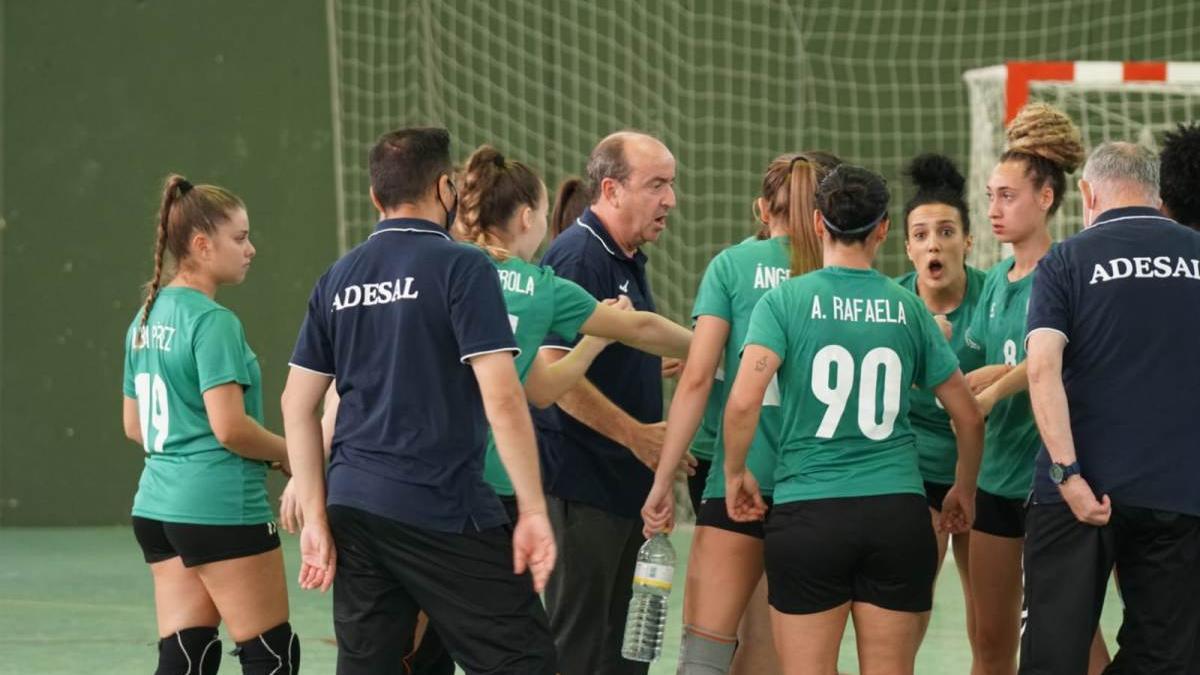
x=1134, y=111
x=545, y=81
x=728, y=84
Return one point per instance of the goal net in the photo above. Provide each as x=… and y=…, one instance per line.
x=729, y=84
x=1109, y=101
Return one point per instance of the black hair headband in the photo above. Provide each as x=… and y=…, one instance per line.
x=869, y=226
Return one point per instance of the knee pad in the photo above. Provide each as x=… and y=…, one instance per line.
x=705, y=653
x=191, y=651
x=274, y=652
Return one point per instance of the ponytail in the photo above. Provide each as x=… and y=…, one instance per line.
x=572, y=199
x=493, y=188
x=788, y=189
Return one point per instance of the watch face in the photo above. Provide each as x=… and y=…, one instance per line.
x=1056, y=473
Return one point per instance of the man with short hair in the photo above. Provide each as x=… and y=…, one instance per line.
x=1112, y=327
x=414, y=328
x=604, y=436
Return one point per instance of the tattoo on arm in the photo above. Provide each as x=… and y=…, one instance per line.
x=760, y=365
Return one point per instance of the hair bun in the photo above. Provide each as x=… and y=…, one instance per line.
x=1042, y=130
x=932, y=172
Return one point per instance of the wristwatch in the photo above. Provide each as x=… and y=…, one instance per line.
x=1061, y=472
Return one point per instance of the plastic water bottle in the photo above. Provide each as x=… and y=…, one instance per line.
x=647, y=616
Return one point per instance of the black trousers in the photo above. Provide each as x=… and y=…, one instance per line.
x=1067, y=565
x=489, y=619
x=587, y=597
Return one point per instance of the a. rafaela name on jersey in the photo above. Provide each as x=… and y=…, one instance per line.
x=513, y=281
x=1160, y=267
x=869, y=310
x=380, y=293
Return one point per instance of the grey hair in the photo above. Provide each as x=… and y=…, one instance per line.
x=1122, y=162
x=608, y=161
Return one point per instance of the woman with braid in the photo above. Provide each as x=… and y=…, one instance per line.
x=193, y=400
x=1024, y=191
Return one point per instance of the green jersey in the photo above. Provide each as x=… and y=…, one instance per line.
x=937, y=447
x=189, y=345
x=997, y=333
x=731, y=287
x=853, y=343
x=706, y=435
x=539, y=303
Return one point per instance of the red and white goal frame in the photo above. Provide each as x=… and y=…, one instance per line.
x=1109, y=100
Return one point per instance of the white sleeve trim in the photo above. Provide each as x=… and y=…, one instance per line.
x=472, y=355
x=296, y=365
x=558, y=347
x=1045, y=328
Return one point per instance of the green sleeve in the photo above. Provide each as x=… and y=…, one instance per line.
x=129, y=388
x=219, y=344
x=768, y=327
x=938, y=360
x=573, y=306
x=975, y=338
x=712, y=298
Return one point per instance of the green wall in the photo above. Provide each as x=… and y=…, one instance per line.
x=101, y=100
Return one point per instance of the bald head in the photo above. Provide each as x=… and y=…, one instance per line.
x=632, y=178
x=611, y=158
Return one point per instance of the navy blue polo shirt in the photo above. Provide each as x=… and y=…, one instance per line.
x=395, y=321
x=583, y=465
x=1125, y=293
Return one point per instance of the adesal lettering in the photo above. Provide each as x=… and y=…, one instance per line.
x=373, y=294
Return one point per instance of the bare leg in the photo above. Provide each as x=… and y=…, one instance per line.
x=962, y=560
x=1098, y=658
x=249, y=592
x=943, y=541
x=180, y=599
x=756, y=648
x=995, y=577
x=886, y=639
x=808, y=643
x=723, y=570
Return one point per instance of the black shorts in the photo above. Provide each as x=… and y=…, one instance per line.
x=488, y=618
x=823, y=553
x=713, y=513
x=200, y=544
x=999, y=516
x=696, y=484
x=935, y=494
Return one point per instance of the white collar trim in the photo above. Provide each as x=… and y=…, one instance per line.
x=409, y=229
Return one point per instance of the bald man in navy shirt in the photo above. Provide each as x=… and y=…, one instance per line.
x=603, y=438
